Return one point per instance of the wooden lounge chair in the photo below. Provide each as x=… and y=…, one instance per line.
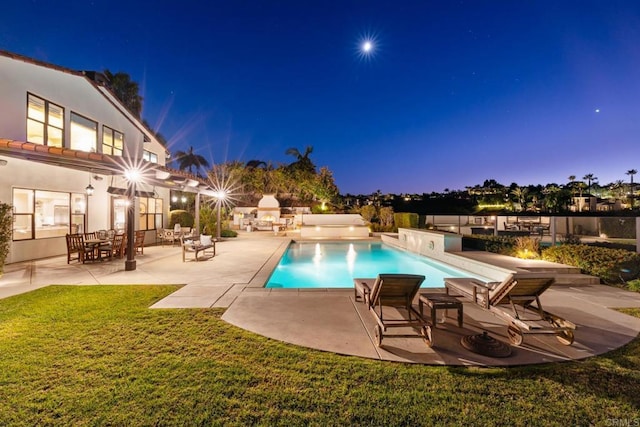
x=513, y=301
x=397, y=291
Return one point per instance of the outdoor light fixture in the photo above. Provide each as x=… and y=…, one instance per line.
x=89, y=188
x=174, y=199
x=184, y=199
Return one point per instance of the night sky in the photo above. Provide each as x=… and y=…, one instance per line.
x=451, y=94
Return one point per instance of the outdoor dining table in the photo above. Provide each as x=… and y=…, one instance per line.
x=95, y=244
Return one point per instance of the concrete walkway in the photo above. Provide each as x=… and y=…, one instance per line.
x=330, y=320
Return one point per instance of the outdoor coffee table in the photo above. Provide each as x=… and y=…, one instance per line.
x=440, y=302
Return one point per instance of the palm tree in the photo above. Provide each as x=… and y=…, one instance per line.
x=252, y=164
x=520, y=193
x=189, y=159
x=126, y=90
x=631, y=172
x=303, y=162
x=590, y=178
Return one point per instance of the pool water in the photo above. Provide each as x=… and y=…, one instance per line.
x=336, y=264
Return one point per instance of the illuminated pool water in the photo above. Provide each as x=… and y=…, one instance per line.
x=336, y=264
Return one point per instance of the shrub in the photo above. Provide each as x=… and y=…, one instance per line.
x=526, y=247
x=570, y=239
x=610, y=265
x=228, y=233
x=182, y=217
x=497, y=244
x=6, y=222
x=405, y=220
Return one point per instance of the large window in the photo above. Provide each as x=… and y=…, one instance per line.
x=45, y=122
x=40, y=214
x=112, y=141
x=150, y=213
x=149, y=156
x=84, y=133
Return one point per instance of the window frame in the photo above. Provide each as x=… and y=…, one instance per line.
x=112, y=149
x=46, y=123
x=93, y=149
x=31, y=212
x=153, y=213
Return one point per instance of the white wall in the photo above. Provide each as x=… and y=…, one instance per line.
x=334, y=232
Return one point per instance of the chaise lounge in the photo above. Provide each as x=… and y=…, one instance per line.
x=397, y=291
x=513, y=301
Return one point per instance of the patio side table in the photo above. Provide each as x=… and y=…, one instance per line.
x=439, y=302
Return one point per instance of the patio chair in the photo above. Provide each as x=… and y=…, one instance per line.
x=75, y=246
x=513, y=301
x=115, y=248
x=138, y=244
x=397, y=291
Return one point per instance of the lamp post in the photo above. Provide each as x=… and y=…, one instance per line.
x=132, y=176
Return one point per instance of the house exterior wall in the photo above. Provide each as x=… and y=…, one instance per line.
x=75, y=93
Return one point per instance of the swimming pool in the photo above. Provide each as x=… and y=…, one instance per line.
x=336, y=264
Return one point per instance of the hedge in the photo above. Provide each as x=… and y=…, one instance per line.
x=405, y=220
x=610, y=265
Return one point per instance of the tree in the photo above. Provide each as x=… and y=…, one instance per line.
x=126, y=90
x=189, y=159
x=386, y=217
x=520, y=193
x=325, y=188
x=590, y=179
x=631, y=172
x=303, y=163
x=368, y=212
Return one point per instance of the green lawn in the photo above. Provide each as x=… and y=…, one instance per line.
x=96, y=355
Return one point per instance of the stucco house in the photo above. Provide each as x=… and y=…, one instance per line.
x=67, y=146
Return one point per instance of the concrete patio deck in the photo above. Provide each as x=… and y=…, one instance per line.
x=330, y=320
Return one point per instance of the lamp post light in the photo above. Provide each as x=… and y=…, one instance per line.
x=132, y=176
x=220, y=196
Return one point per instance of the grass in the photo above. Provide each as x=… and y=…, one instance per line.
x=96, y=355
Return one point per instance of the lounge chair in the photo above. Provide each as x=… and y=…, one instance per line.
x=397, y=291
x=513, y=301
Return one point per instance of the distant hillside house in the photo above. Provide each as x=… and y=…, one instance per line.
x=62, y=133
x=584, y=203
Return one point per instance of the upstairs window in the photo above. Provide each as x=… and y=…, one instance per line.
x=45, y=122
x=149, y=156
x=112, y=141
x=84, y=133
